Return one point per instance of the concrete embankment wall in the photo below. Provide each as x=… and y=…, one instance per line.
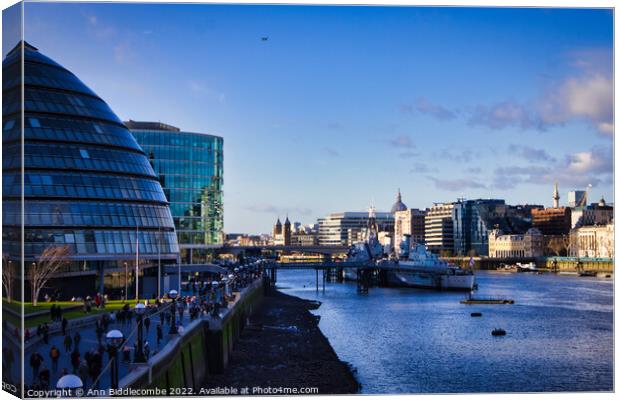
x=562, y=263
x=203, y=348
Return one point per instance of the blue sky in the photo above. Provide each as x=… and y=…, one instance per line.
x=344, y=105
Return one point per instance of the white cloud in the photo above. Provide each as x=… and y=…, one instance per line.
x=589, y=97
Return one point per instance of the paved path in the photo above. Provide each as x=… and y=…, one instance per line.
x=89, y=342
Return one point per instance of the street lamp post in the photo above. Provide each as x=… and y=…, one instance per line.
x=159, y=262
x=126, y=280
x=71, y=383
x=173, y=294
x=139, y=357
x=114, y=340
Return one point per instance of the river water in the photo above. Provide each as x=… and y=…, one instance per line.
x=403, y=340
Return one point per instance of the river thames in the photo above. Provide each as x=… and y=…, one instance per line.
x=403, y=340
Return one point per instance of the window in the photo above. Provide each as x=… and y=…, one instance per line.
x=98, y=128
x=9, y=124
x=34, y=122
x=84, y=153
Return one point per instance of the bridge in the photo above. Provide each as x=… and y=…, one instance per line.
x=366, y=272
x=325, y=250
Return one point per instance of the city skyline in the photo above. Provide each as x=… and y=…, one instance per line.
x=341, y=106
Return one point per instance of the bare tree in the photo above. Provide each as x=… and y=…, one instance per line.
x=556, y=245
x=8, y=275
x=48, y=264
x=566, y=243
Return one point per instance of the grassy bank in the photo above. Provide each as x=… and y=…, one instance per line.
x=33, y=321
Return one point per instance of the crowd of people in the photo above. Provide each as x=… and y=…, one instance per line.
x=201, y=299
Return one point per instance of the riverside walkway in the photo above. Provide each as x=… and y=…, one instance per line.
x=89, y=342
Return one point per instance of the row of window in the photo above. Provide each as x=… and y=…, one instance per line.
x=69, y=130
x=190, y=196
x=181, y=153
x=88, y=242
x=184, y=182
x=190, y=141
x=88, y=214
x=83, y=186
x=40, y=100
x=48, y=76
x=200, y=172
x=78, y=157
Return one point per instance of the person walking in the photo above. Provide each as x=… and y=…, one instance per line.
x=46, y=333
x=160, y=334
x=75, y=359
x=147, y=349
x=64, y=324
x=68, y=342
x=53, y=312
x=44, y=377
x=83, y=371
x=99, y=332
x=147, y=323
x=35, y=362
x=54, y=356
x=76, y=340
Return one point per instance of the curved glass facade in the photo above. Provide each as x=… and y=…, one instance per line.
x=190, y=169
x=87, y=182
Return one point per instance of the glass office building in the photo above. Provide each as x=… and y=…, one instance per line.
x=87, y=184
x=190, y=169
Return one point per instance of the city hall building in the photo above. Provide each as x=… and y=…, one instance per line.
x=87, y=184
x=190, y=169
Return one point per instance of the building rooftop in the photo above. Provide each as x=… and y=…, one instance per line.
x=151, y=126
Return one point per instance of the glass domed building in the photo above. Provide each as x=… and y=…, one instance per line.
x=87, y=184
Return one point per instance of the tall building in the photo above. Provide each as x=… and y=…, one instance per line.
x=556, y=196
x=552, y=221
x=409, y=223
x=190, y=169
x=529, y=244
x=473, y=219
x=576, y=198
x=347, y=228
x=594, y=214
x=439, y=228
x=88, y=185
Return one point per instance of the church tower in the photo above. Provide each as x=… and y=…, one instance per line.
x=287, y=232
x=556, y=196
x=277, y=228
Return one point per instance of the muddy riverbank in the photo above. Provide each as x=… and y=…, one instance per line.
x=283, y=347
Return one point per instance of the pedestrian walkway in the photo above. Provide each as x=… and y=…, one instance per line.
x=94, y=342
x=57, y=356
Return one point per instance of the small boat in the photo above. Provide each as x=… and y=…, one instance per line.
x=587, y=273
x=498, y=332
x=476, y=314
x=472, y=300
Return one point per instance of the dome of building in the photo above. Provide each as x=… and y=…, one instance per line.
x=601, y=202
x=399, y=205
x=87, y=183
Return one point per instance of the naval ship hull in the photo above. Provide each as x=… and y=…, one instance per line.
x=350, y=274
x=430, y=280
